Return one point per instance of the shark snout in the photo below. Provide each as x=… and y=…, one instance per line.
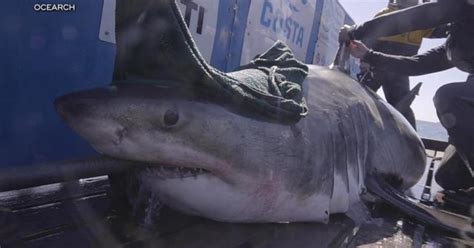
x=81, y=103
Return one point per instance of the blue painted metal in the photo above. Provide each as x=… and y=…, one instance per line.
x=314, y=32
x=348, y=20
x=223, y=34
x=230, y=32
x=45, y=55
x=239, y=26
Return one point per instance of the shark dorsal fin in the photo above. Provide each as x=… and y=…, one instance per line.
x=404, y=104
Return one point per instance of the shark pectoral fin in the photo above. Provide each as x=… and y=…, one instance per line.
x=403, y=106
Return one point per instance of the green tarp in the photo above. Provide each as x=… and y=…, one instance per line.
x=154, y=45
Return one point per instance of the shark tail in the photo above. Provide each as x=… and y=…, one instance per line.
x=403, y=106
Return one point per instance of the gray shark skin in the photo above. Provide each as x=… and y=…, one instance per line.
x=207, y=159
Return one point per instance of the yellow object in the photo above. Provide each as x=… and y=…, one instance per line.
x=413, y=38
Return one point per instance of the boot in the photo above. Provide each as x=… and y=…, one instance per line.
x=453, y=174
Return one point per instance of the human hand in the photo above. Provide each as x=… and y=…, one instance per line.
x=358, y=49
x=344, y=36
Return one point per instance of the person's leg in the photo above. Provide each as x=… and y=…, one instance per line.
x=455, y=108
x=395, y=87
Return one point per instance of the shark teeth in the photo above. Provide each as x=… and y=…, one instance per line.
x=175, y=171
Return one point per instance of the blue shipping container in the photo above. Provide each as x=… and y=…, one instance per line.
x=45, y=54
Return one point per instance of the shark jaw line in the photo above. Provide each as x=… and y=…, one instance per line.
x=175, y=172
x=179, y=162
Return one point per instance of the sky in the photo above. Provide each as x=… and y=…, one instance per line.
x=363, y=10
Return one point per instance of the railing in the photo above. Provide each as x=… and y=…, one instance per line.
x=434, y=145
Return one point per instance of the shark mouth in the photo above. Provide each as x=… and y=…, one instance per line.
x=172, y=172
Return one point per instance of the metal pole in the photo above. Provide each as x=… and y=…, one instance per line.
x=426, y=194
x=20, y=177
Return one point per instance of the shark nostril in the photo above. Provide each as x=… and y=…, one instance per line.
x=171, y=118
x=77, y=108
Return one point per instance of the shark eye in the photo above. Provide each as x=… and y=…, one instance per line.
x=171, y=118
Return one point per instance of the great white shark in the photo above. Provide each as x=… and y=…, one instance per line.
x=211, y=160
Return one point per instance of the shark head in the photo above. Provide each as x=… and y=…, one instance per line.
x=201, y=158
x=141, y=123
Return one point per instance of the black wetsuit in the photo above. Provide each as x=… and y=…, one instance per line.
x=396, y=85
x=454, y=102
